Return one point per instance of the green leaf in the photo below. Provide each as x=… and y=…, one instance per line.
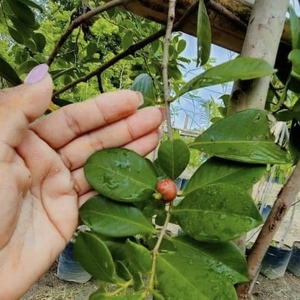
x=127, y=40
x=181, y=46
x=114, y=219
x=122, y=271
x=91, y=49
x=181, y=277
x=244, y=136
x=8, y=73
x=173, y=157
x=295, y=60
x=16, y=36
x=138, y=256
x=217, y=212
x=295, y=27
x=21, y=28
x=58, y=73
x=217, y=170
x=33, y=5
x=223, y=258
x=39, y=40
x=203, y=35
x=243, y=68
x=94, y=256
x=28, y=65
x=138, y=282
x=143, y=83
x=22, y=12
x=121, y=174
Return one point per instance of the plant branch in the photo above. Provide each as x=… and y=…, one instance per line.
x=155, y=250
x=284, y=201
x=130, y=51
x=165, y=63
x=78, y=21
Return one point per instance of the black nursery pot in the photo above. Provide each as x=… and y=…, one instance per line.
x=275, y=261
x=294, y=263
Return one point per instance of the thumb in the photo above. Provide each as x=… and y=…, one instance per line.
x=21, y=105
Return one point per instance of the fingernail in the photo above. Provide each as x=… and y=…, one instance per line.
x=141, y=98
x=37, y=74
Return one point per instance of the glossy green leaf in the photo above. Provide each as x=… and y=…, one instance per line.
x=94, y=256
x=138, y=282
x=32, y=4
x=243, y=68
x=114, y=219
x=223, y=258
x=58, y=73
x=21, y=28
x=121, y=174
x=173, y=157
x=217, y=212
x=127, y=40
x=28, y=65
x=295, y=60
x=182, y=277
x=217, y=170
x=138, y=256
x=181, y=46
x=244, y=136
x=123, y=271
x=39, y=40
x=22, y=12
x=16, y=36
x=91, y=49
x=8, y=73
x=143, y=83
x=295, y=27
x=203, y=35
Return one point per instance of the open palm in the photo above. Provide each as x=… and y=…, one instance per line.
x=42, y=184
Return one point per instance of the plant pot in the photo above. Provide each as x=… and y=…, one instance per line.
x=294, y=263
x=275, y=261
x=70, y=270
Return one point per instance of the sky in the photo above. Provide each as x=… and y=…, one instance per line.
x=194, y=111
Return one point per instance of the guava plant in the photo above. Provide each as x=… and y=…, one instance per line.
x=128, y=246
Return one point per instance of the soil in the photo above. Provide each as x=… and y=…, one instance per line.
x=49, y=287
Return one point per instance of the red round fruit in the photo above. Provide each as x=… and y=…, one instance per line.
x=168, y=190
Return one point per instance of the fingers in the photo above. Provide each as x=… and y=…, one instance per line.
x=21, y=105
x=116, y=134
x=64, y=125
x=142, y=146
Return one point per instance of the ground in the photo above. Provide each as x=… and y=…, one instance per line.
x=51, y=288
x=286, y=288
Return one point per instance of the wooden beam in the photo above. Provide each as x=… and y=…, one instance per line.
x=226, y=16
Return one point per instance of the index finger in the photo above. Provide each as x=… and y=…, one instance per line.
x=69, y=122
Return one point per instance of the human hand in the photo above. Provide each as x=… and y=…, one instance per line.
x=42, y=183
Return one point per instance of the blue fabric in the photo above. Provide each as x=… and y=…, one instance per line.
x=70, y=270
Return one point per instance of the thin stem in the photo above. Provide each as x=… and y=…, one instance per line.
x=78, y=21
x=155, y=250
x=171, y=17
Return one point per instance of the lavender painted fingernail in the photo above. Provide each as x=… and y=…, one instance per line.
x=37, y=74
